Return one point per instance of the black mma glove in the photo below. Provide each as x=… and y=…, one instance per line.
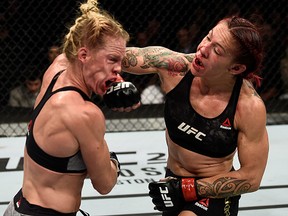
x=114, y=159
x=171, y=192
x=121, y=94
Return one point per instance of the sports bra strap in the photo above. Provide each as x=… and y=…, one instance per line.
x=69, y=88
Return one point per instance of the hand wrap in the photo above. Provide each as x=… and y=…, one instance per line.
x=121, y=94
x=114, y=159
x=172, y=192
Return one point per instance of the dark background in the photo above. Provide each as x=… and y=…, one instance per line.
x=29, y=27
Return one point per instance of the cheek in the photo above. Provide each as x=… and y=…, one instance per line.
x=214, y=60
x=216, y=64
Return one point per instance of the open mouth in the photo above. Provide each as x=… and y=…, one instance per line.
x=109, y=83
x=198, y=62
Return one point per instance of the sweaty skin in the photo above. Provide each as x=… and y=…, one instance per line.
x=60, y=135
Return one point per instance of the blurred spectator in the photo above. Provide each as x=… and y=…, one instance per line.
x=50, y=54
x=6, y=71
x=25, y=94
x=184, y=41
x=142, y=39
x=53, y=52
x=154, y=32
x=271, y=84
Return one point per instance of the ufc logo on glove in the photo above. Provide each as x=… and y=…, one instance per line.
x=121, y=94
x=120, y=85
x=166, y=199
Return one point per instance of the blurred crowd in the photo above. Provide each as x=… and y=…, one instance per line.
x=23, y=62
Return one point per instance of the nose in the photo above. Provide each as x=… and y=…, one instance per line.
x=204, y=50
x=117, y=69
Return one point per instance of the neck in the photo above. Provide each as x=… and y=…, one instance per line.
x=74, y=78
x=209, y=86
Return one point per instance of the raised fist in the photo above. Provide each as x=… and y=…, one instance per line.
x=121, y=95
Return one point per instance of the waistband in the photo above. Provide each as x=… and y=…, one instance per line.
x=23, y=206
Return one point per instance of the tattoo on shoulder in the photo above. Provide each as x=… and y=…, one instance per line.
x=249, y=84
x=223, y=187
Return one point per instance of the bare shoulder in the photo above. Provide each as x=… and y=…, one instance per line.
x=251, y=110
x=89, y=113
x=60, y=63
x=78, y=113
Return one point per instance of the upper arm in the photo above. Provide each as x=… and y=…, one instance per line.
x=170, y=66
x=90, y=133
x=252, y=141
x=155, y=59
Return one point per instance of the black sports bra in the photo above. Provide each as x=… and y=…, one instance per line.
x=71, y=164
x=213, y=137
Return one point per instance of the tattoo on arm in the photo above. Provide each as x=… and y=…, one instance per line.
x=223, y=187
x=130, y=60
x=174, y=65
x=190, y=57
x=159, y=59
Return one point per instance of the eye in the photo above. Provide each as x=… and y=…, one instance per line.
x=216, y=51
x=112, y=59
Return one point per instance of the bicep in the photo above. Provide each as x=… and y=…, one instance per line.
x=253, y=144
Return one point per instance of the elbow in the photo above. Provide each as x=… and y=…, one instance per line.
x=104, y=191
x=254, y=188
x=104, y=188
x=254, y=185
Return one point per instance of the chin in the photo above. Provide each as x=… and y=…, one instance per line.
x=196, y=73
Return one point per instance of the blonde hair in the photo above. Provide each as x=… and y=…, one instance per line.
x=91, y=29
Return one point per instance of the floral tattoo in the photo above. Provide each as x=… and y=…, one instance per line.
x=174, y=64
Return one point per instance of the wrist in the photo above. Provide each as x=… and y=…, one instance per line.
x=114, y=160
x=189, y=189
x=116, y=163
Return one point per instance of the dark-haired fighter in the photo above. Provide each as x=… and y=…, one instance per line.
x=211, y=112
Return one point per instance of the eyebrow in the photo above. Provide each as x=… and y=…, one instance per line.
x=218, y=44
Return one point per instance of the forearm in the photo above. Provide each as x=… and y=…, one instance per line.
x=225, y=186
x=154, y=59
x=188, y=189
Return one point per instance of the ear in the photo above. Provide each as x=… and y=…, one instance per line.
x=237, y=69
x=82, y=54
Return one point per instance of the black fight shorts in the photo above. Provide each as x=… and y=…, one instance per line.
x=22, y=206
x=207, y=206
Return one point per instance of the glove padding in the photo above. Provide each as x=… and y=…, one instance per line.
x=171, y=192
x=121, y=94
x=114, y=159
